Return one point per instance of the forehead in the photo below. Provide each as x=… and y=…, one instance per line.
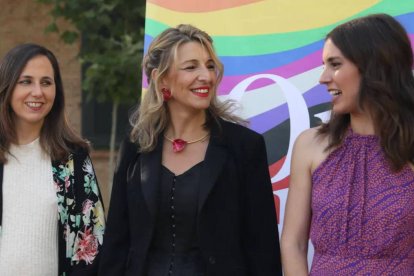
x=192, y=51
x=330, y=50
x=38, y=65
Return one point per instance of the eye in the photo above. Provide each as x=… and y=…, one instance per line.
x=46, y=83
x=335, y=64
x=189, y=68
x=24, y=81
x=211, y=67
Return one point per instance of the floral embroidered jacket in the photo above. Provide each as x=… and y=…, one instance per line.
x=81, y=220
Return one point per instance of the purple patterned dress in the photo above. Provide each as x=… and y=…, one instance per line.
x=362, y=212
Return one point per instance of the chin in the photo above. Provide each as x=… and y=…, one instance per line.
x=202, y=105
x=340, y=110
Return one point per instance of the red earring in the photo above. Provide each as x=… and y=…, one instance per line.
x=166, y=94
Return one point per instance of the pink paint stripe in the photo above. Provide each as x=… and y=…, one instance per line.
x=144, y=80
x=302, y=65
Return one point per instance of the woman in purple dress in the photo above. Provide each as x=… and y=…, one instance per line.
x=352, y=179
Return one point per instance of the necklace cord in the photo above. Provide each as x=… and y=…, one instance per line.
x=187, y=142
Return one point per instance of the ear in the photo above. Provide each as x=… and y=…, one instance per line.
x=154, y=76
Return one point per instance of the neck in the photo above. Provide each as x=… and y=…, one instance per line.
x=26, y=134
x=362, y=123
x=186, y=127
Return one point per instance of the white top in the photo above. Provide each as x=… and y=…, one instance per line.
x=28, y=239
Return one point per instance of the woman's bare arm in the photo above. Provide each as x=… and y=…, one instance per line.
x=295, y=235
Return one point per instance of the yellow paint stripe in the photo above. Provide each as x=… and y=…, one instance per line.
x=270, y=16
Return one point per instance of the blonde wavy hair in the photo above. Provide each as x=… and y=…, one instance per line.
x=152, y=117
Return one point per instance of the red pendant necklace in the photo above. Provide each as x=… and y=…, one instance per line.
x=179, y=144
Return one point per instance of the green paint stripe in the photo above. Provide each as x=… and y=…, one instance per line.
x=278, y=42
x=154, y=28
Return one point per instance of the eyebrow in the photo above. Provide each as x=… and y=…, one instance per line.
x=30, y=77
x=330, y=59
x=189, y=60
x=196, y=60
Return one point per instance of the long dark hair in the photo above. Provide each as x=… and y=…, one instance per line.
x=56, y=137
x=379, y=46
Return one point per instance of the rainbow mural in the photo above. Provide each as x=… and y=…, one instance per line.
x=271, y=50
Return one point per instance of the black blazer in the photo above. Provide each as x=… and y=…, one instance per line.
x=237, y=228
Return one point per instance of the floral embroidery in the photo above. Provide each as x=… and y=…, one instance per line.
x=80, y=211
x=86, y=247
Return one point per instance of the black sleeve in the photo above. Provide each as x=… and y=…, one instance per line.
x=117, y=237
x=260, y=232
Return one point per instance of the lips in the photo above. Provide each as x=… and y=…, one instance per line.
x=334, y=92
x=201, y=91
x=34, y=105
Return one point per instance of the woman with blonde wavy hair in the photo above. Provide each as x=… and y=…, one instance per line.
x=192, y=192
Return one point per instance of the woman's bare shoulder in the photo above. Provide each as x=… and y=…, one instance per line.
x=310, y=138
x=311, y=146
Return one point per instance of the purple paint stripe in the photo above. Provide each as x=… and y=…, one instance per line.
x=270, y=119
x=317, y=95
x=144, y=80
x=302, y=65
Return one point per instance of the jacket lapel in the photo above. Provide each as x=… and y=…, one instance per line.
x=150, y=171
x=214, y=161
x=150, y=164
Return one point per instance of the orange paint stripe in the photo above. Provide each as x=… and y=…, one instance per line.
x=282, y=184
x=201, y=6
x=275, y=167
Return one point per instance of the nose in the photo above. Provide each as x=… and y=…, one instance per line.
x=37, y=90
x=325, y=76
x=205, y=74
